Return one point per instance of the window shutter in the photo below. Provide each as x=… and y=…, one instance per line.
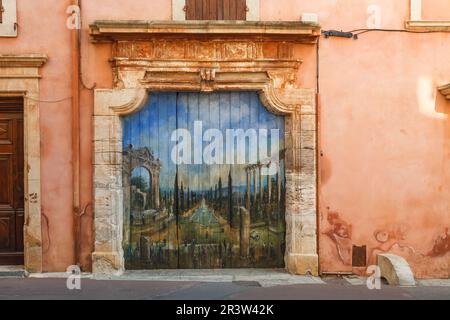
x=8, y=18
x=216, y=9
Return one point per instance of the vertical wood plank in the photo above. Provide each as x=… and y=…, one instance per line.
x=226, y=9
x=1, y=11
x=190, y=9
x=205, y=10
x=183, y=177
x=233, y=8
x=226, y=115
x=213, y=10
x=168, y=114
x=241, y=10
x=220, y=10
x=215, y=234
x=203, y=178
x=159, y=118
x=198, y=10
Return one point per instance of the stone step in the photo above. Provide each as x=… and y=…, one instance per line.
x=12, y=272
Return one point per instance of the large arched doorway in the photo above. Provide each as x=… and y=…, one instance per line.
x=221, y=187
x=208, y=57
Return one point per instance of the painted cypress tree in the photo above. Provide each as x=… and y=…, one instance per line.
x=188, y=206
x=176, y=197
x=182, y=207
x=220, y=191
x=230, y=199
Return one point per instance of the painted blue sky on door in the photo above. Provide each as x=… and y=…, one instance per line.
x=153, y=126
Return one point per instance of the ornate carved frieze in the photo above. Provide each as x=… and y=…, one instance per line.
x=216, y=50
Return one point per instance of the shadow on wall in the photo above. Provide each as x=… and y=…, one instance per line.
x=431, y=102
x=442, y=104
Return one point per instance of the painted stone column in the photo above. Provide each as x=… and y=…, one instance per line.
x=255, y=186
x=244, y=232
x=269, y=186
x=247, y=200
x=261, y=191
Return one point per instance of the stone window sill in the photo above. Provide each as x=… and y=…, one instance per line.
x=8, y=30
x=8, y=27
x=425, y=25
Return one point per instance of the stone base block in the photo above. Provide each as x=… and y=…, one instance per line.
x=302, y=264
x=107, y=263
x=396, y=270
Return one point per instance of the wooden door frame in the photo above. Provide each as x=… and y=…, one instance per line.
x=207, y=57
x=19, y=77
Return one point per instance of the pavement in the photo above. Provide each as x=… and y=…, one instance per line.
x=212, y=285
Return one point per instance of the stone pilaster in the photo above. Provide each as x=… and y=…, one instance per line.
x=19, y=76
x=301, y=187
x=108, y=191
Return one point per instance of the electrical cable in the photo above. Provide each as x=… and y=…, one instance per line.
x=398, y=30
x=356, y=32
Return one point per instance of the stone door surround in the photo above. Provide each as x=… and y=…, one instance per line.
x=205, y=57
x=19, y=76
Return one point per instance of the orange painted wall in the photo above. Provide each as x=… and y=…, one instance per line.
x=385, y=136
x=435, y=10
x=42, y=30
x=385, y=132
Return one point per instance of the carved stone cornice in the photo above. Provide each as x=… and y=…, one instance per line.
x=209, y=56
x=445, y=90
x=286, y=30
x=22, y=61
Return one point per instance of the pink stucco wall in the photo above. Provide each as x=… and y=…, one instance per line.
x=37, y=34
x=435, y=10
x=385, y=130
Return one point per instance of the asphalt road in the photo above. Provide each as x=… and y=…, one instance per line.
x=50, y=289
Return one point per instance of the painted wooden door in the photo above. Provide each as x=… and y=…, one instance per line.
x=11, y=181
x=204, y=183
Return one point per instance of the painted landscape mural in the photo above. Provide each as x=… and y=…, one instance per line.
x=204, y=183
